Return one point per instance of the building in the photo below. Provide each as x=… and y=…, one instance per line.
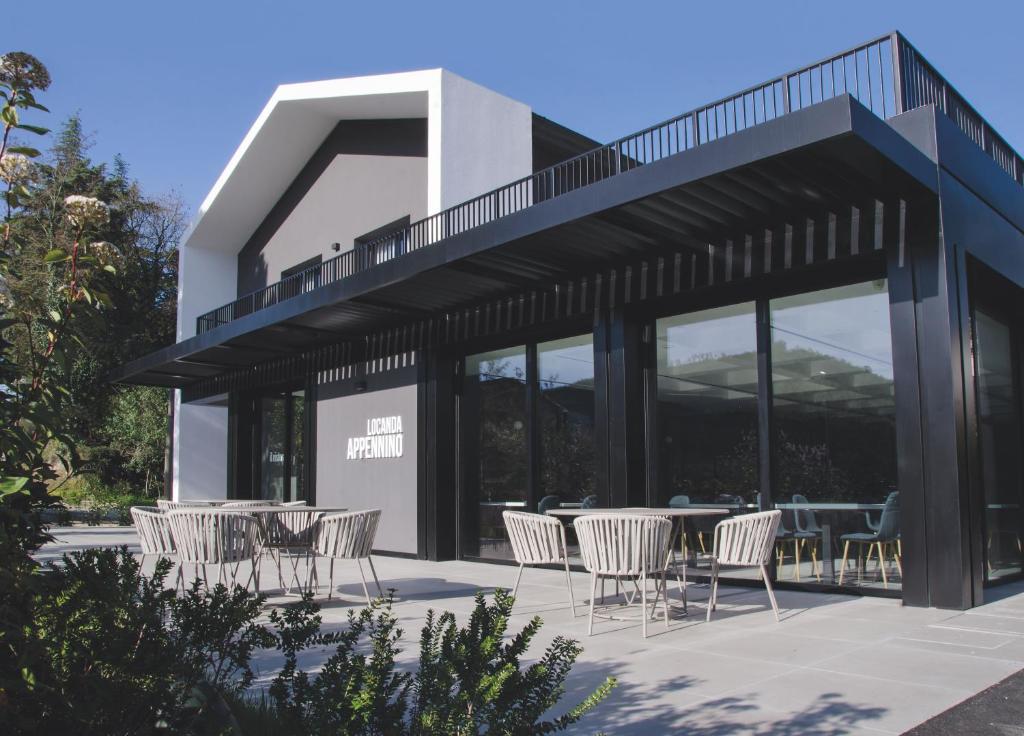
x=410, y=292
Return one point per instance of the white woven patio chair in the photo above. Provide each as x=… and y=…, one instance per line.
x=538, y=540
x=214, y=537
x=154, y=533
x=248, y=504
x=165, y=505
x=290, y=532
x=626, y=546
x=347, y=536
x=745, y=541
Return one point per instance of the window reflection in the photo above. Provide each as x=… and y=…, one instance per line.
x=495, y=443
x=496, y=437
x=835, y=437
x=707, y=415
x=999, y=443
x=707, y=406
x=565, y=375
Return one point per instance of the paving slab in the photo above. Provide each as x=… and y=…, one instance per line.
x=835, y=664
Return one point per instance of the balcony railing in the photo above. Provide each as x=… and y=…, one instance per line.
x=887, y=75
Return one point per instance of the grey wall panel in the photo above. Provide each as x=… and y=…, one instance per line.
x=366, y=174
x=387, y=483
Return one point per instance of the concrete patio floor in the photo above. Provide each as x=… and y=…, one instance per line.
x=836, y=664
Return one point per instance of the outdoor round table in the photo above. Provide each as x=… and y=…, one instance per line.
x=289, y=539
x=678, y=517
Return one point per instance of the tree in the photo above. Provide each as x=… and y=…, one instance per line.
x=140, y=301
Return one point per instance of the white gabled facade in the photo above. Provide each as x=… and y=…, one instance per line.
x=477, y=140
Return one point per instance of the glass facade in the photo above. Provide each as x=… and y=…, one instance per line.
x=495, y=447
x=999, y=443
x=527, y=436
x=834, y=449
x=565, y=407
x=281, y=464
x=706, y=420
x=528, y=431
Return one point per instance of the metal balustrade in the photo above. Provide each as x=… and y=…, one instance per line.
x=887, y=75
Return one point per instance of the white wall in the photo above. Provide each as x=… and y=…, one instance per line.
x=200, y=467
x=486, y=140
x=207, y=279
x=477, y=140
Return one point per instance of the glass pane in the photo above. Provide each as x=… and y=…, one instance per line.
x=565, y=372
x=494, y=397
x=273, y=447
x=999, y=443
x=835, y=441
x=707, y=415
x=297, y=484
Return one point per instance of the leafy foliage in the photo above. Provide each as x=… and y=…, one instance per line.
x=115, y=652
x=470, y=680
x=118, y=653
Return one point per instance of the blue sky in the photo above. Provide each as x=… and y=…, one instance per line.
x=173, y=86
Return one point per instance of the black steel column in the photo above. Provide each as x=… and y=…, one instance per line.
x=437, y=513
x=627, y=476
x=935, y=510
x=601, y=441
x=910, y=427
x=765, y=426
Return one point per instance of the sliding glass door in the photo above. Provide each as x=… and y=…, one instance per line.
x=271, y=447
x=834, y=417
x=527, y=437
x=1000, y=439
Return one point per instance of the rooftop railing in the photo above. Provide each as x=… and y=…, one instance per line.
x=887, y=75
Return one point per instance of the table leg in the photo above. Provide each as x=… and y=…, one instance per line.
x=826, y=552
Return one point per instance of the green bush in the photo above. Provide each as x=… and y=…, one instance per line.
x=110, y=651
x=115, y=652
x=469, y=681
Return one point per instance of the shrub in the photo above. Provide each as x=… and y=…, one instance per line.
x=115, y=652
x=469, y=681
x=110, y=651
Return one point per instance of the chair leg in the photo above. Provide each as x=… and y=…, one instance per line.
x=713, y=592
x=593, y=594
x=330, y=589
x=664, y=596
x=643, y=602
x=898, y=556
x=815, y=565
x=842, y=566
x=314, y=576
x=366, y=591
x=275, y=555
x=771, y=591
x=881, y=564
x=684, y=586
x=798, y=548
x=568, y=585
x=369, y=560
x=519, y=576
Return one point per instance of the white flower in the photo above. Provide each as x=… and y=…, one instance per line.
x=106, y=254
x=15, y=168
x=83, y=212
